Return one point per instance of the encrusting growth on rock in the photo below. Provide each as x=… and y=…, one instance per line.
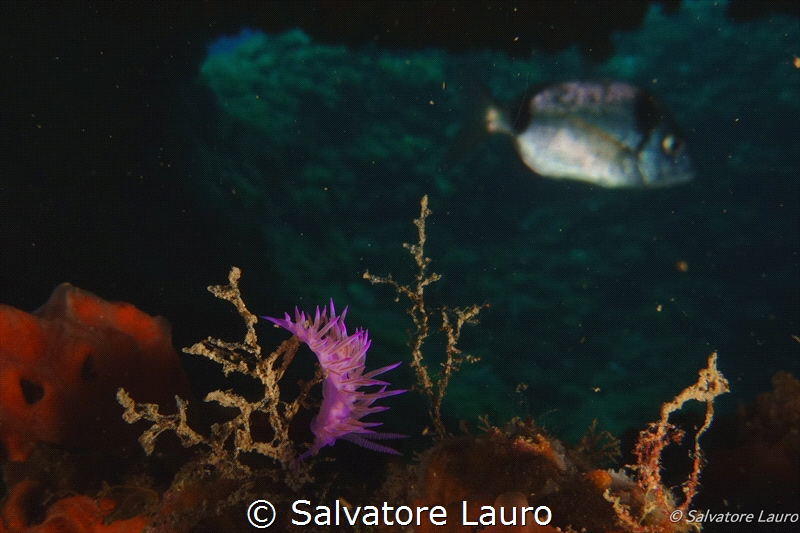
x=521, y=466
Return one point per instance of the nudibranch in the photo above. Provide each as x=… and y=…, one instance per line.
x=342, y=358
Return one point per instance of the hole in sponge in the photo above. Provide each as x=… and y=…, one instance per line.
x=87, y=369
x=32, y=392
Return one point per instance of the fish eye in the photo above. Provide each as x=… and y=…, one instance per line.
x=671, y=145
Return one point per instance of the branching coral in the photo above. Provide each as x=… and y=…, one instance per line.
x=658, y=508
x=342, y=359
x=244, y=358
x=452, y=322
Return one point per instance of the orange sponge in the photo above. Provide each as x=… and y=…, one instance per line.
x=60, y=368
x=81, y=514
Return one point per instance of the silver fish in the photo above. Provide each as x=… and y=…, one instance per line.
x=606, y=133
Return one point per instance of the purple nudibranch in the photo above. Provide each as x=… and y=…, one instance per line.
x=342, y=358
